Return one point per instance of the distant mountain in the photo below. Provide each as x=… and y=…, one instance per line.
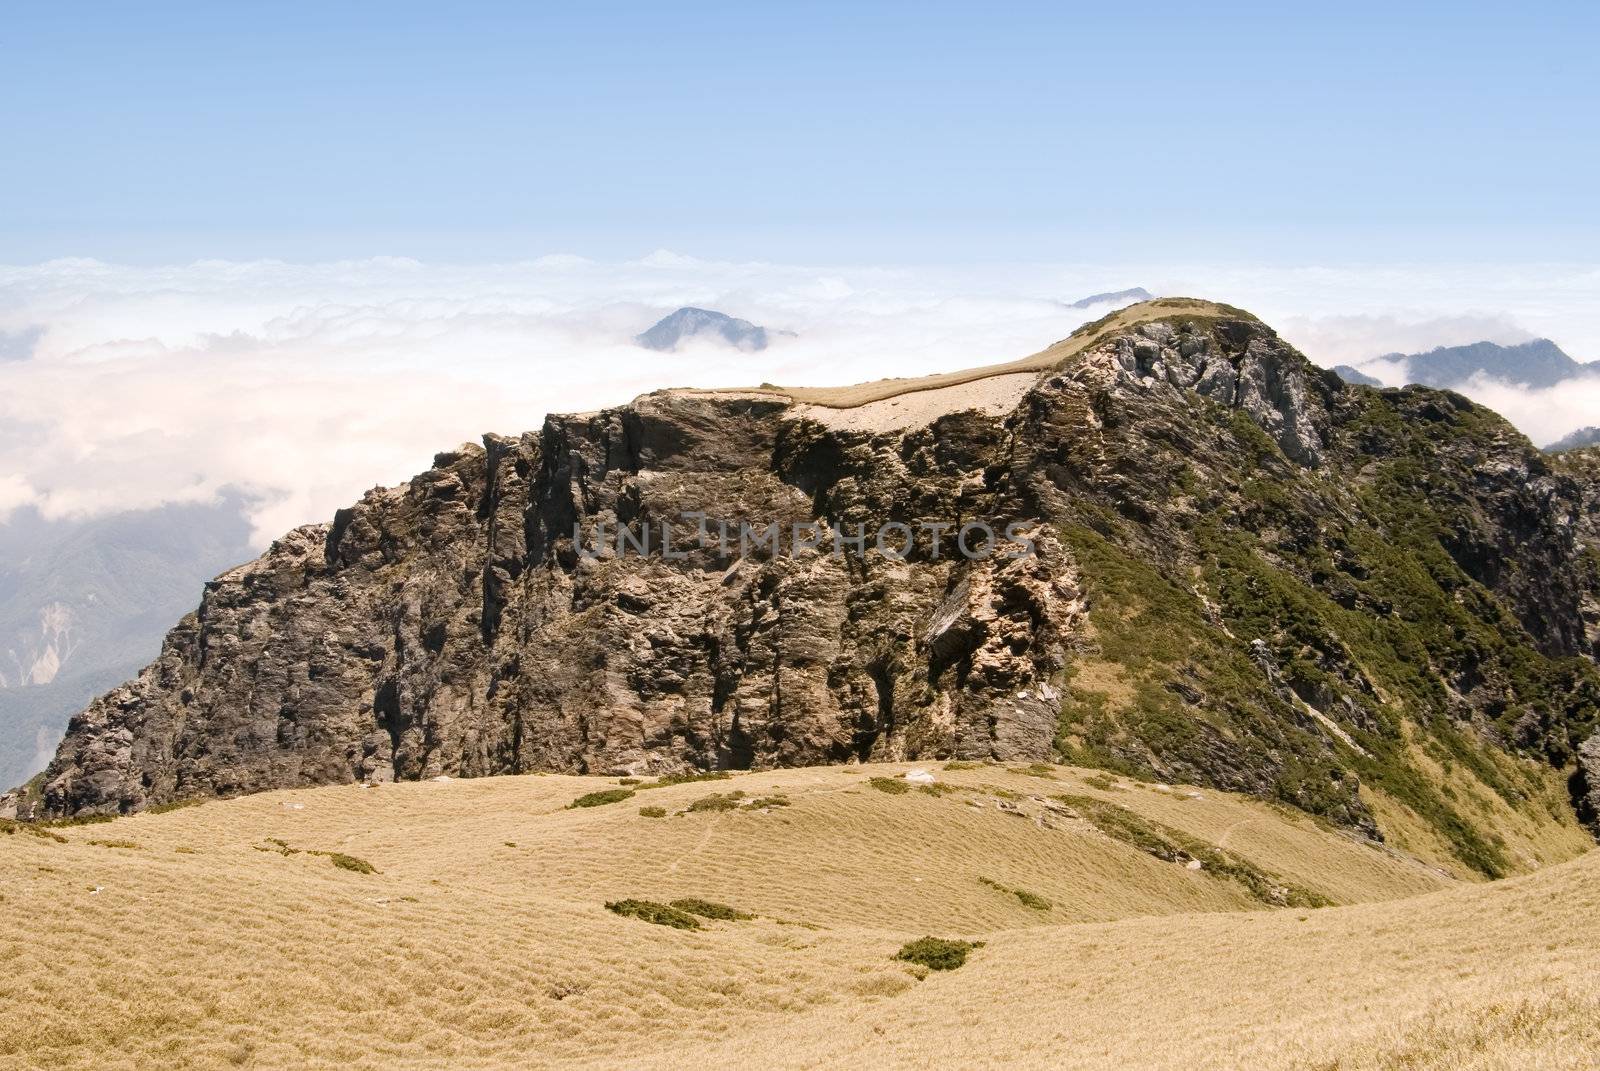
x=690, y=322
x=1582, y=437
x=1355, y=376
x=1539, y=363
x=1114, y=297
x=84, y=604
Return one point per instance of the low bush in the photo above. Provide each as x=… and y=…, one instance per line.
x=348, y=862
x=653, y=812
x=936, y=953
x=9, y=826
x=717, y=801
x=599, y=799
x=79, y=820
x=1026, y=898
x=895, y=786
x=650, y=911
x=710, y=909
x=668, y=780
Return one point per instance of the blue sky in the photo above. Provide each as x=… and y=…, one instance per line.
x=893, y=133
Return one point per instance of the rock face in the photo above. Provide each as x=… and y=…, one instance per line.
x=1241, y=573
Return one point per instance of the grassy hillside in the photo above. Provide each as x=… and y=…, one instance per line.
x=464, y=924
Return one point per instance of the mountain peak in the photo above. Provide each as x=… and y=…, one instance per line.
x=1114, y=297
x=689, y=322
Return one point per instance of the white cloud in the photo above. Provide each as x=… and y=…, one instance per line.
x=307, y=383
x=14, y=492
x=1543, y=415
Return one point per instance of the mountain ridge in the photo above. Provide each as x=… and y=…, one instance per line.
x=1246, y=576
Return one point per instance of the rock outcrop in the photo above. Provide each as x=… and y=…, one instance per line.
x=1210, y=560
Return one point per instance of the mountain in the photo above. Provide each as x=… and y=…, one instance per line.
x=1224, y=567
x=687, y=322
x=1114, y=297
x=84, y=604
x=1355, y=376
x=1540, y=363
x=1580, y=438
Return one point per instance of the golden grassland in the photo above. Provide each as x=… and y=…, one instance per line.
x=217, y=936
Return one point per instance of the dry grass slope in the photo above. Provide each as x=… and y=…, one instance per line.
x=482, y=939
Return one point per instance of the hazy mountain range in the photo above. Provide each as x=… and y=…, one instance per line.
x=1540, y=363
x=84, y=604
x=1582, y=437
x=1113, y=297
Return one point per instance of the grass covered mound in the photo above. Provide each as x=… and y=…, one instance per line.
x=936, y=953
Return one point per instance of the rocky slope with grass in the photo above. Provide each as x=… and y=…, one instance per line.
x=1377, y=606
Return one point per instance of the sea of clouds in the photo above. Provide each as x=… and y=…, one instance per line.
x=300, y=385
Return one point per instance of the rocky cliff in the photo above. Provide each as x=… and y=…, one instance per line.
x=1368, y=604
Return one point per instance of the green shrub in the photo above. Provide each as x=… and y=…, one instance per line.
x=650, y=911
x=955, y=764
x=627, y=780
x=1026, y=898
x=717, y=801
x=1037, y=769
x=79, y=820
x=710, y=909
x=1104, y=782
x=348, y=862
x=599, y=799
x=10, y=826
x=1174, y=846
x=936, y=953
x=653, y=812
x=668, y=780
x=112, y=843
x=936, y=788
x=895, y=786
x=1038, y=903
x=770, y=801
